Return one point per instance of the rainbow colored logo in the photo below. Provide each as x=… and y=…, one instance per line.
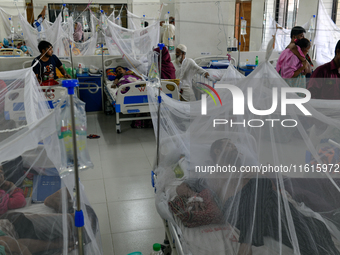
x=209, y=93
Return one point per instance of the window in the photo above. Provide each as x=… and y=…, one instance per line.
x=286, y=12
x=77, y=9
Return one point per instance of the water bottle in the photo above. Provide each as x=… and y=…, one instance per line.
x=143, y=21
x=103, y=20
x=243, y=26
x=166, y=18
x=11, y=24
x=312, y=25
x=157, y=249
x=229, y=45
x=65, y=13
x=257, y=60
x=234, y=48
x=19, y=27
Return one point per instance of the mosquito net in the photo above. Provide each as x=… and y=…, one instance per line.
x=5, y=16
x=247, y=174
x=326, y=37
x=136, y=22
x=36, y=173
x=282, y=35
x=133, y=45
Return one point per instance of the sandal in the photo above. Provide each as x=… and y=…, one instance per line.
x=91, y=136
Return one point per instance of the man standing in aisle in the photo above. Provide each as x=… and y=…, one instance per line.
x=186, y=68
x=45, y=69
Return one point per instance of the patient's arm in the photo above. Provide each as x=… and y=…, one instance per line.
x=293, y=48
x=14, y=246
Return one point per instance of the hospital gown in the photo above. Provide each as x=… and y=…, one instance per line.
x=185, y=72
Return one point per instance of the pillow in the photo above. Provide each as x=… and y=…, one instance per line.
x=111, y=73
x=190, y=218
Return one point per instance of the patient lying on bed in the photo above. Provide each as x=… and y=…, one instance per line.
x=124, y=77
x=251, y=205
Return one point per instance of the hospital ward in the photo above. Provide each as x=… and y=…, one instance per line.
x=169, y=127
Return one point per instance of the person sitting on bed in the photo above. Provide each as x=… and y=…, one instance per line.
x=251, y=205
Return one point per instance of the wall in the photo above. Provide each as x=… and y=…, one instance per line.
x=148, y=8
x=257, y=9
x=197, y=26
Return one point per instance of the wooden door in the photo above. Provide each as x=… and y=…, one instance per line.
x=243, y=9
x=29, y=12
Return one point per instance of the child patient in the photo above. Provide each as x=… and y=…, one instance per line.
x=11, y=197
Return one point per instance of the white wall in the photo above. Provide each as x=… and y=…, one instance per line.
x=148, y=8
x=257, y=9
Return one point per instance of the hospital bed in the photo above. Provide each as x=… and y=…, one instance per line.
x=11, y=52
x=28, y=63
x=205, y=239
x=135, y=100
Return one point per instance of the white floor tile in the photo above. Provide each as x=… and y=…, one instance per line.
x=103, y=218
x=129, y=188
x=92, y=174
x=107, y=244
x=134, y=215
x=120, y=166
x=142, y=241
x=95, y=191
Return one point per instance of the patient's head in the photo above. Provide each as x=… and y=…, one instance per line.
x=120, y=71
x=224, y=152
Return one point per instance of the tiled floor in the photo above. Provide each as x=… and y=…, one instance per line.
x=119, y=186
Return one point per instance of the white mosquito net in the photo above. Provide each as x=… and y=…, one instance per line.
x=137, y=22
x=36, y=175
x=16, y=23
x=133, y=45
x=282, y=35
x=327, y=36
x=249, y=176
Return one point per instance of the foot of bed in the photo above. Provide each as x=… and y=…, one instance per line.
x=118, y=128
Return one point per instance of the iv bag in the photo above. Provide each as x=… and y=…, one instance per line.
x=103, y=20
x=65, y=13
x=19, y=27
x=12, y=26
x=166, y=18
x=85, y=24
x=118, y=22
x=143, y=21
x=243, y=26
x=312, y=24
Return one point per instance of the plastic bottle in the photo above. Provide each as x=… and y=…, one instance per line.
x=312, y=25
x=234, y=48
x=65, y=13
x=118, y=22
x=103, y=20
x=243, y=26
x=229, y=45
x=257, y=60
x=142, y=21
x=80, y=70
x=157, y=249
x=166, y=18
x=11, y=24
x=19, y=27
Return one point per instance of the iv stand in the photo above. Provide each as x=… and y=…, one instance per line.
x=79, y=216
x=161, y=46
